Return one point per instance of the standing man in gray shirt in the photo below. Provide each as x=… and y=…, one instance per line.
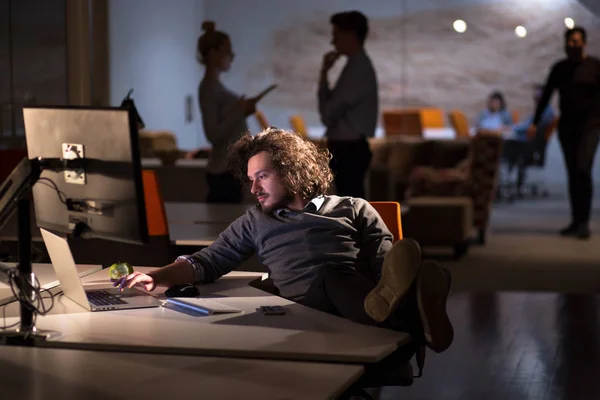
x=331, y=253
x=349, y=110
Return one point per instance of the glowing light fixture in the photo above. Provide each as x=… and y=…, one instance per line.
x=569, y=23
x=459, y=26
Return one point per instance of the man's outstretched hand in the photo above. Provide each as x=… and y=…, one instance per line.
x=136, y=279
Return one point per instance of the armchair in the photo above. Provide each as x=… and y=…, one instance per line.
x=473, y=177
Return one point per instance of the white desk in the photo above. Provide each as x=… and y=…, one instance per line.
x=91, y=375
x=445, y=133
x=302, y=334
x=204, y=213
x=47, y=278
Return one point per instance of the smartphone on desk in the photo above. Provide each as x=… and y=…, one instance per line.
x=272, y=310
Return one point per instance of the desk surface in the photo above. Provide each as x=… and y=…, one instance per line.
x=33, y=374
x=302, y=334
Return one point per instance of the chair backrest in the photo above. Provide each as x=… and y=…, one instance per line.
x=298, y=125
x=390, y=212
x=261, y=119
x=459, y=123
x=402, y=122
x=515, y=116
x=432, y=117
x=156, y=215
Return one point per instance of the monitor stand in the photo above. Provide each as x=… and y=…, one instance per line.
x=27, y=334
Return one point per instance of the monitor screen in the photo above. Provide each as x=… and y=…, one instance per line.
x=103, y=200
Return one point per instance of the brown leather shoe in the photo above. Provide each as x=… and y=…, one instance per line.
x=433, y=286
x=399, y=271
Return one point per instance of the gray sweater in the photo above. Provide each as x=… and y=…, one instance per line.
x=294, y=245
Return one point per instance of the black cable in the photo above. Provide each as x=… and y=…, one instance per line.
x=36, y=304
x=61, y=195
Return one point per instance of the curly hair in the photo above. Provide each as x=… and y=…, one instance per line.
x=299, y=163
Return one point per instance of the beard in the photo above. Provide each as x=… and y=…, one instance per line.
x=574, y=53
x=279, y=202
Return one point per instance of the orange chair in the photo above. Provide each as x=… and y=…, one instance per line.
x=432, y=117
x=261, y=119
x=390, y=212
x=156, y=253
x=411, y=121
x=402, y=122
x=156, y=214
x=515, y=116
x=459, y=123
x=298, y=125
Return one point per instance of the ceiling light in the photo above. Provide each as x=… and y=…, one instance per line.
x=520, y=31
x=459, y=26
x=569, y=23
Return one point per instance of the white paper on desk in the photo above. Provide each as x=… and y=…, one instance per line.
x=208, y=306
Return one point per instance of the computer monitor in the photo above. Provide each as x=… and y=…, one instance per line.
x=103, y=199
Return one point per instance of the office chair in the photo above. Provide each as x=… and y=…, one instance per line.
x=261, y=119
x=459, y=122
x=390, y=212
x=525, y=155
x=298, y=125
x=536, y=158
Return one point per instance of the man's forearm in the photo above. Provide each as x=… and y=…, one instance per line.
x=179, y=272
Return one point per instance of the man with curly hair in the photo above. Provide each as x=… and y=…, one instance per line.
x=331, y=253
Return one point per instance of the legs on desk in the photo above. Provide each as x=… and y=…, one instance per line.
x=409, y=297
x=341, y=291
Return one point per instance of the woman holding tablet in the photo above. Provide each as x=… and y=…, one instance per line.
x=223, y=113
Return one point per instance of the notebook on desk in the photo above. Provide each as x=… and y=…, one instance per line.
x=92, y=300
x=207, y=306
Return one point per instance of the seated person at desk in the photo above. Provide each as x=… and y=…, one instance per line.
x=495, y=117
x=330, y=253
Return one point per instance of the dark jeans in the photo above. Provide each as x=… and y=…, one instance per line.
x=579, y=148
x=223, y=188
x=341, y=291
x=350, y=162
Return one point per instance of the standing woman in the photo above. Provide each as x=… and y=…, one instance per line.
x=223, y=113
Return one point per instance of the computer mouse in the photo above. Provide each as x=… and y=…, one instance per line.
x=185, y=290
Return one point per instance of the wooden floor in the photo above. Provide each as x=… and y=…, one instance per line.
x=515, y=346
x=526, y=313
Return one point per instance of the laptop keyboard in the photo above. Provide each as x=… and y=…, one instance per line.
x=103, y=298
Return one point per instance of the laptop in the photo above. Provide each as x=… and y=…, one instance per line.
x=90, y=299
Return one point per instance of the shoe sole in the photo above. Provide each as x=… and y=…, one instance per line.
x=398, y=272
x=433, y=287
